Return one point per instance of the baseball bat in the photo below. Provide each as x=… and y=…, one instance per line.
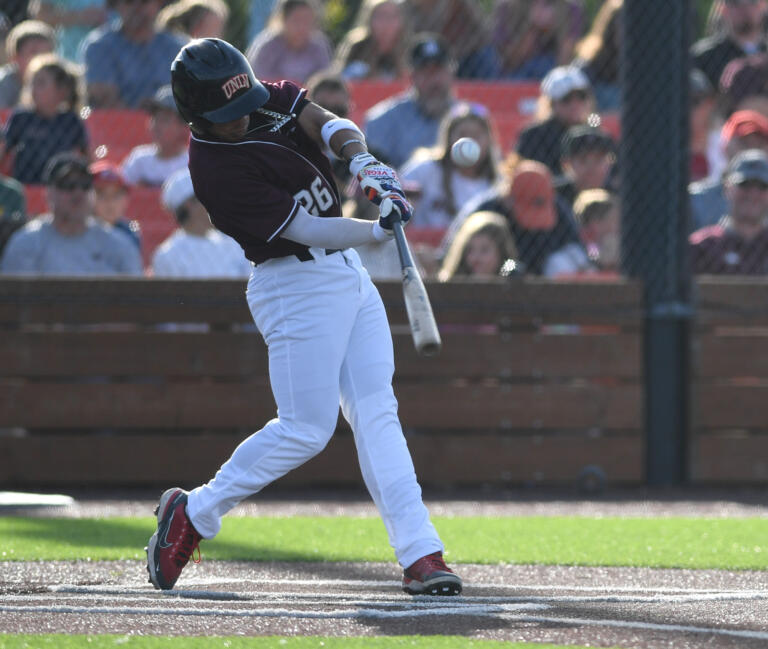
x=426, y=337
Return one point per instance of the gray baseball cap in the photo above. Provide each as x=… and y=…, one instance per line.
x=748, y=165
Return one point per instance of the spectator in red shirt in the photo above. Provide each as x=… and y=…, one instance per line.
x=738, y=245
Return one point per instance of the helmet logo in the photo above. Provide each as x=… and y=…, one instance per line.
x=235, y=83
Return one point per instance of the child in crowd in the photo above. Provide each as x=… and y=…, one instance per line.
x=23, y=43
x=483, y=248
x=151, y=164
x=48, y=122
x=111, y=199
x=440, y=187
x=588, y=155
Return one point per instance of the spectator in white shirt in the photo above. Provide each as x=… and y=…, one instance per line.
x=195, y=249
x=151, y=164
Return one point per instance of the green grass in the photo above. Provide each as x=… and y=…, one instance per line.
x=659, y=543
x=311, y=642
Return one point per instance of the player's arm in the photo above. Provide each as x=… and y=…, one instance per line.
x=333, y=232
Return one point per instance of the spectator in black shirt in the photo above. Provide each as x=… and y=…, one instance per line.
x=588, y=153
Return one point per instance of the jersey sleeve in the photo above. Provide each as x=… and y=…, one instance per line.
x=284, y=96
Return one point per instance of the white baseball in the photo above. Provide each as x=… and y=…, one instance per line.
x=465, y=152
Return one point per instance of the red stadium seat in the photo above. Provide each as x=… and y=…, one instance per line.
x=113, y=133
x=37, y=203
x=156, y=223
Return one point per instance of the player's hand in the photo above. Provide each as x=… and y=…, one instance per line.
x=394, y=207
x=382, y=187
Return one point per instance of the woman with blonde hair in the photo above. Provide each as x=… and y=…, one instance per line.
x=483, y=247
x=441, y=187
x=376, y=47
x=194, y=18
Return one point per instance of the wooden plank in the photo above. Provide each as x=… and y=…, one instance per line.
x=206, y=405
x=529, y=302
x=730, y=406
x=140, y=460
x=719, y=356
x=730, y=458
x=244, y=355
x=731, y=300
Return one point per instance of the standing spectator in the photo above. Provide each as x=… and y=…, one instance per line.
x=745, y=129
x=588, y=154
x=444, y=187
x=50, y=124
x=111, y=194
x=194, y=18
x=534, y=36
x=483, y=248
x=376, y=48
x=738, y=244
x=126, y=62
x=703, y=99
x=395, y=127
x=292, y=47
x=196, y=248
x=23, y=43
x=72, y=20
x=598, y=216
x=566, y=100
x=460, y=23
x=69, y=241
x=743, y=22
x=152, y=164
x=13, y=208
x=599, y=54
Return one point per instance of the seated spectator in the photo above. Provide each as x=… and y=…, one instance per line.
x=745, y=129
x=738, y=244
x=482, y=248
x=744, y=85
x=72, y=20
x=599, y=54
x=743, y=22
x=534, y=36
x=588, y=155
x=111, y=194
x=151, y=164
x=13, y=208
x=292, y=47
x=462, y=25
x=396, y=127
x=439, y=187
x=127, y=61
x=376, y=47
x=23, y=43
x=566, y=100
x=49, y=123
x=540, y=223
x=194, y=18
x=703, y=99
x=196, y=248
x=597, y=214
x=69, y=241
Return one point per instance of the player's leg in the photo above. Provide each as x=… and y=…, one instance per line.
x=369, y=404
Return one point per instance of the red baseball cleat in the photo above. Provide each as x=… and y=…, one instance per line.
x=430, y=576
x=173, y=543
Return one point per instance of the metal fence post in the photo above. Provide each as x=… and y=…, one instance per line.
x=654, y=163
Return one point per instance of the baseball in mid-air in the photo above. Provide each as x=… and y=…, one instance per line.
x=465, y=152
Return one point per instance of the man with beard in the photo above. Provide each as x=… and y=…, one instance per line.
x=743, y=35
x=398, y=126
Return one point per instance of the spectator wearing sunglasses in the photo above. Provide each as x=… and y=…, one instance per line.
x=566, y=100
x=127, y=61
x=69, y=241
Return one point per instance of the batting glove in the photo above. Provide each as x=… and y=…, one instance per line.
x=381, y=186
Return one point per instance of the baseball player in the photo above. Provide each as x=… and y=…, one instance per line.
x=257, y=166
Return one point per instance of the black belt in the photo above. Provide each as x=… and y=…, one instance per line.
x=305, y=255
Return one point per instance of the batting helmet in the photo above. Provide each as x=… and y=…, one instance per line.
x=213, y=82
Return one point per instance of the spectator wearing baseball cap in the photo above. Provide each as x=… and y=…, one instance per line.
x=69, y=240
x=111, y=194
x=587, y=155
x=738, y=244
x=195, y=248
x=566, y=100
x=396, y=127
x=150, y=165
x=745, y=129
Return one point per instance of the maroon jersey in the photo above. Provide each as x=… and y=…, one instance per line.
x=720, y=250
x=253, y=188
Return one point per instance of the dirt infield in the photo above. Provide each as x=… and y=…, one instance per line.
x=605, y=607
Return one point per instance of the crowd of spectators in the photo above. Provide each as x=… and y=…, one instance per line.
x=547, y=205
